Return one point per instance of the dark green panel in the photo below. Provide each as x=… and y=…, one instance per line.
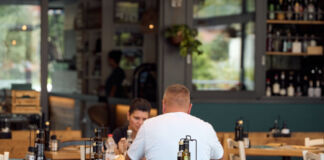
x=260, y=117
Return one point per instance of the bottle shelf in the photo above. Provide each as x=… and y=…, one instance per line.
x=291, y=54
x=294, y=22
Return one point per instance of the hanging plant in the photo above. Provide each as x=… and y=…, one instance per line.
x=184, y=37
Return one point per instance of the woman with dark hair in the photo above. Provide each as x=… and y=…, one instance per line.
x=139, y=111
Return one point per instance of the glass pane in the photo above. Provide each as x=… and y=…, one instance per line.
x=250, y=5
x=56, y=62
x=218, y=68
x=214, y=8
x=249, y=62
x=20, y=45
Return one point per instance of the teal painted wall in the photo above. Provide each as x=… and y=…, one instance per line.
x=260, y=117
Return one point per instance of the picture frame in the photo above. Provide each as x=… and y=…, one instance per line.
x=128, y=11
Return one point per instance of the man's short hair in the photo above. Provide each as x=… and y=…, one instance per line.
x=140, y=104
x=115, y=55
x=176, y=94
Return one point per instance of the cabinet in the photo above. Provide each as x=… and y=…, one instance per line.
x=294, y=48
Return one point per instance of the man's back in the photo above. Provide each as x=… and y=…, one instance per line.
x=158, y=138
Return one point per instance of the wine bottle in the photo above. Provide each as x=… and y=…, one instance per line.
x=311, y=89
x=181, y=148
x=268, y=88
x=276, y=86
x=289, y=42
x=239, y=130
x=305, y=43
x=271, y=9
x=296, y=46
x=186, y=153
x=290, y=10
x=318, y=89
x=305, y=86
x=269, y=38
x=283, y=91
x=311, y=10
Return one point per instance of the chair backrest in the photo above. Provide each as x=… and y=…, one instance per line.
x=313, y=142
x=307, y=155
x=240, y=146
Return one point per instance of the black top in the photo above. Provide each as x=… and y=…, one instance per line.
x=119, y=133
x=115, y=79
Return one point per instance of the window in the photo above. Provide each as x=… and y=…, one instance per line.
x=20, y=44
x=226, y=29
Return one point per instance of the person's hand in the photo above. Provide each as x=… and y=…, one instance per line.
x=122, y=145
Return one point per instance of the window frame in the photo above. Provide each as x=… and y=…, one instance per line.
x=259, y=17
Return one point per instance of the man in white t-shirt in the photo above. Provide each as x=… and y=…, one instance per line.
x=158, y=138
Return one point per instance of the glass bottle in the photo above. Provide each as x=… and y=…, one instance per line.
x=283, y=89
x=319, y=14
x=53, y=143
x=40, y=145
x=311, y=10
x=98, y=145
x=280, y=11
x=285, y=131
x=301, y=9
x=47, y=135
x=313, y=41
x=271, y=9
x=129, y=137
x=290, y=10
x=305, y=86
x=298, y=86
x=239, y=130
x=305, y=43
x=276, y=86
x=289, y=42
x=311, y=89
x=318, y=89
x=269, y=38
x=277, y=44
x=111, y=146
x=291, y=88
x=296, y=46
x=30, y=154
x=268, y=88
x=186, y=153
x=181, y=148
x=297, y=9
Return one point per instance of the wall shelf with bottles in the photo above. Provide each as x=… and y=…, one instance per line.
x=294, y=46
x=291, y=54
x=294, y=22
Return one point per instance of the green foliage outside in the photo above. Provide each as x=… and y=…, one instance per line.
x=213, y=65
x=18, y=46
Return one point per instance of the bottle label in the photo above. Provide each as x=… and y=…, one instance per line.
x=186, y=158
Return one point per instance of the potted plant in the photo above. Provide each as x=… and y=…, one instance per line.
x=184, y=37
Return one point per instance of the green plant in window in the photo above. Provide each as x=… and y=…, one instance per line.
x=184, y=37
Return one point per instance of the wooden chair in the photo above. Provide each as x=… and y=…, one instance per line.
x=307, y=155
x=238, y=145
x=313, y=142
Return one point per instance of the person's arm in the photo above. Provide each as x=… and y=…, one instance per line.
x=137, y=148
x=217, y=150
x=122, y=146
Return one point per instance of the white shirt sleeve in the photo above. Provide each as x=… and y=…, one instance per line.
x=137, y=148
x=216, y=147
